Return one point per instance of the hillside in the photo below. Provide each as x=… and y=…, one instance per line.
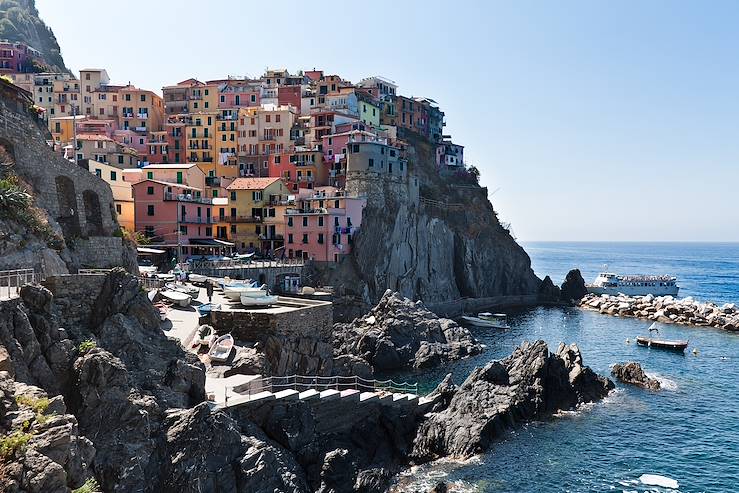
x=19, y=21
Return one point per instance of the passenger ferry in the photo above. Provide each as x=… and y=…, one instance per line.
x=638, y=285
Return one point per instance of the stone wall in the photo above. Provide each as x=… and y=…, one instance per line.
x=79, y=205
x=72, y=300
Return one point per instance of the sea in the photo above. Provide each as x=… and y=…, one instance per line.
x=688, y=431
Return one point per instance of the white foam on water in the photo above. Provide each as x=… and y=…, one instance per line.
x=664, y=382
x=657, y=480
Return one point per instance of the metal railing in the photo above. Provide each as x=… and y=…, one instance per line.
x=11, y=281
x=93, y=271
x=302, y=383
x=201, y=266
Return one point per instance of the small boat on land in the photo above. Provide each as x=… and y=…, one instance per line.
x=166, y=277
x=206, y=308
x=487, y=319
x=197, y=278
x=263, y=300
x=234, y=291
x=183, y=288
x=221, y=349
x=673, y=345
x=182, y=299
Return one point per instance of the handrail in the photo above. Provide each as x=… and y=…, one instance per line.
x=11, y=281
x=302, y=383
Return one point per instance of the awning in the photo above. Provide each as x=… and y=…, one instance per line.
x=209, y=242
x=149, y=250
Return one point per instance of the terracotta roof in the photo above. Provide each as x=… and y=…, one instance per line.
x=171, y=166
x=251, y=183
x=93, y=137
x=167, y=183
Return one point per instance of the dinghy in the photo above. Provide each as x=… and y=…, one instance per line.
x=166, y=277
x=183, y=288
x=182, y=299
x=206, y=308
x=487, y=319
x=234, y=291
x=197, y=278
x=222, y=348
x=264, y=300
x=673, y=345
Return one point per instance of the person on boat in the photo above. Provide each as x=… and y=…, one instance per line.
x=209, y=290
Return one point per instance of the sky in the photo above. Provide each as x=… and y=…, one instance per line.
x=589, y=120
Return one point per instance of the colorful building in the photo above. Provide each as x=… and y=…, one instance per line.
x=122, y=191
x=253, y=213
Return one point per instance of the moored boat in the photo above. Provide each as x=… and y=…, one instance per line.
x=487, y=319
x=221, y=349
x=636, y=285
x=182, y=299
x=264, y=300
x=673, y=345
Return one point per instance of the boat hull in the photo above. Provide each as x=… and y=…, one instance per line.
x=679, y=346
x=181, y=299
x=478, y=322
x=247, y=300
x=634, y=290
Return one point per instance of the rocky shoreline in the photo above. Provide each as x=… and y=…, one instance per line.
x=91, y=389
x=665, y=309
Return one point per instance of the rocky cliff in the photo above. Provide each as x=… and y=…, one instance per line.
x=433, y=238
x=19, y=21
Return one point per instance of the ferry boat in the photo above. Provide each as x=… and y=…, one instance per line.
x=636, y=285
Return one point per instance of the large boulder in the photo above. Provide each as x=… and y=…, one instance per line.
x=631, y=372
x=530, y=384
x=573, y=288
x=399, y=333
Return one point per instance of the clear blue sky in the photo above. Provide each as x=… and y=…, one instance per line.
x=597, y=120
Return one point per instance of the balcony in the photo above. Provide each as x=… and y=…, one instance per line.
x=139, y=129
x=212, y=181
x=181, y=197
x=198, y=220
x=142, y=116
x=207, y=159
x=240, y=219
x=126, y=114
x=231, y=117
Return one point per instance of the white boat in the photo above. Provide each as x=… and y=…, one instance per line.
x=149, y=269
x=221, y=349
x=166, y=277
x=264, y=300
x=234, y=292
x=182, y=299
x=487, y=319
x=183, y=288
x=197, y=278
x=636, y=285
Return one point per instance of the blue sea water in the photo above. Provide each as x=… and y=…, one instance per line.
x=688, y=431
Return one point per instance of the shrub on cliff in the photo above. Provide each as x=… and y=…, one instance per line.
x=16, y=203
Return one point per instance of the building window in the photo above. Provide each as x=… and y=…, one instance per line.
x=149, y=175
x=305, y=221
x=149, y=190
x=290, y=238
x=112, y=176
x=320, y=223
x=233, y=229
x=233, y=195
x=371, y=162
x=150, y=210
x=183, y=229
x=118, y=208
x=305, y=238
x=320, y=238
x=98, y=172
x=290, y=221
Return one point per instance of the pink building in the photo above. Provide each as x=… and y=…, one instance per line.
x=162, y=209
x=323, y=225
x=17, y=57
x=180, y=174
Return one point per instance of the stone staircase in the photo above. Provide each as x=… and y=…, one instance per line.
x=318, y=390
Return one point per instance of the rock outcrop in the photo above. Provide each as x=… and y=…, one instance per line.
x=399, y=333
x=631, y=372
x=666, y=309
x=530, y=384
x=573, y=288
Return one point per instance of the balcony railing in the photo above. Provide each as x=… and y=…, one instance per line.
x=212, y=181
x=198, y=220
x=207, y=159
x=140, y=129
x=240, y=219
x=142, y=116
x=181, y=197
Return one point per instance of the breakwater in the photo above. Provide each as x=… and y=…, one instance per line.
x=666, y=309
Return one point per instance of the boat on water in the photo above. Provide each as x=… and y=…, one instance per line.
x=487, y=319
x=178, y=297
x=247, y=299
x=656, y=342
x=221, y=349
x=633, y=285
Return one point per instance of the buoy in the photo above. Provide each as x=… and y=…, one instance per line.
x=695, y=351
x=628, y=341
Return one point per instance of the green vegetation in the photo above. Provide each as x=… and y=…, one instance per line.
x=90, y=486
x=19, y=21
x=16, y=203
x=38, y=405
x=15, y=442
x=86, y=346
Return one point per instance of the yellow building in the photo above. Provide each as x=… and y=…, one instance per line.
x=203, y=98
x=265, y=129
x=141, y=110
x=253, y=211
x=200, y=137
x=62, y=128
x=122, y=191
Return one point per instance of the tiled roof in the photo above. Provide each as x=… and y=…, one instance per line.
x=251, y=183
x=168, y=184
x=93, y=137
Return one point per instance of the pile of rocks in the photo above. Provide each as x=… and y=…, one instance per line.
x=530, y=384
x=399, y=333
x=666, y=309
x=632, y=372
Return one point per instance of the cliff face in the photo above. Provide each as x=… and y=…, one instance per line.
x=19, y=21
x=433, y=238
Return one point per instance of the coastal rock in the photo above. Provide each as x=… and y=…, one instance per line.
x=398, y=333
x=548, y=292
x=632, y=372
x=530, y=384
x=442, y=395
x=573, y=288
